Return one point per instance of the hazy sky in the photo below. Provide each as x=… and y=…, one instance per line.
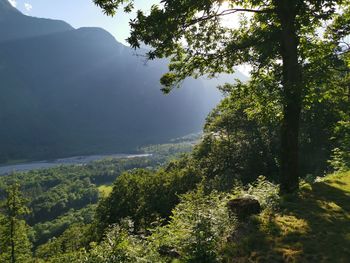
x=81, y=13
x=84, y=13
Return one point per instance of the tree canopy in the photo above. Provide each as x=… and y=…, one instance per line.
x=282, y=40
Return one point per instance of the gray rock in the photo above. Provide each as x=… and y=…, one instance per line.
x=244, y=207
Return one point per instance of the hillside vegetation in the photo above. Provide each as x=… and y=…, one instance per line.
x=312, y=226
x=66, y=195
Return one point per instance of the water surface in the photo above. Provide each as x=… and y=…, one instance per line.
x=23, y=167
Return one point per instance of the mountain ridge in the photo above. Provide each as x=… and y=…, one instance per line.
x=16, y=25
x=69, y=91
x=6, y=8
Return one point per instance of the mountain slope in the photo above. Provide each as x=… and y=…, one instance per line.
x=67, y=92
x=15, y=25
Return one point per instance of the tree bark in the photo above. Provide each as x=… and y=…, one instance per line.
x=292, y=96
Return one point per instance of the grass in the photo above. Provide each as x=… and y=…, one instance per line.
x=105, y=190
x=312, y=226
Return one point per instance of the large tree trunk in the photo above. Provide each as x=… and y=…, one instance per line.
x=292, y=96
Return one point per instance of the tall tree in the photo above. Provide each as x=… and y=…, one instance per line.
x=273, y=36
x=14, y=242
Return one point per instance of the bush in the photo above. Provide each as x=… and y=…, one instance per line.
x=145, y=195
x=198, y=231
x=241, y=139
x=198, y=228
x=340, y=159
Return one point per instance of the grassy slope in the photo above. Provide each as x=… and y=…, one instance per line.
x=313, y=226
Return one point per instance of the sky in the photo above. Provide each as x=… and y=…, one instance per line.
x=84, y=13
x=81, y=13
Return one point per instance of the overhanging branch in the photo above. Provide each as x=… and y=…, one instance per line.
x=227, y=12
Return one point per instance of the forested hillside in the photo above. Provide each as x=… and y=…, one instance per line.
x=66, y=195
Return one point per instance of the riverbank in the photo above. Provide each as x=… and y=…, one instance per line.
x=76, y=160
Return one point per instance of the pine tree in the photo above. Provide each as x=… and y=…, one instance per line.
x=15, y=246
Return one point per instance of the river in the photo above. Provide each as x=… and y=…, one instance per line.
x=22, y=167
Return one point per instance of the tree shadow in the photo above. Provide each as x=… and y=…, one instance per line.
x=326, y=211
x=312, y=227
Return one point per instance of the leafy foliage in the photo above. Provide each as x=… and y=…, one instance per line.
x=62, y=196
x=341, y=154
x=145, y=195
x=14, y=241
x=54, y=228
x=277, y=38
x=74, y=238
x=198, y=227
x=197, y=231
x=241, y=140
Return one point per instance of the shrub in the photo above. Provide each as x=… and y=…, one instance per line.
x=340, y=159
x=145, y=195
x=198, y=230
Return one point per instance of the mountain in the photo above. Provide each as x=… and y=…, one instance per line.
x=15, y=25
x=67, y=91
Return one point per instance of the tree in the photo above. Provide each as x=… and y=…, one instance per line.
x=274, y=37
x=144, y=196
x=14, y=242
x=339, y=31
x=241, y=138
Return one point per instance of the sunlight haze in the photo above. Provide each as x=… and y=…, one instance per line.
x=81, y=13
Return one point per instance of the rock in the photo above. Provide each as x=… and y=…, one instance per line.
x=168, y=252
x=244, y=207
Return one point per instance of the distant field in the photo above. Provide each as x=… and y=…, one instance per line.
x=105, y=190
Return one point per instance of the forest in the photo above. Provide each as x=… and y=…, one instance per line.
x=268, y=179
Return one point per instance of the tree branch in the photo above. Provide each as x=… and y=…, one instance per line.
x=225, y=13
